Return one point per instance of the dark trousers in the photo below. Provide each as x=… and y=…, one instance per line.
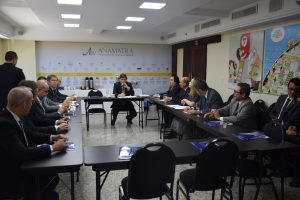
x=123, y=106
x=48, y=184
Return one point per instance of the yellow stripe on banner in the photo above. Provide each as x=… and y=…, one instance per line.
x=103, y=74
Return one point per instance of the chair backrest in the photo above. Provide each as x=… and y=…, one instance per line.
x=268, y=115
x=228, y=100
x=150, y=168
x=216, y=161
x=274, y=130
x=261, y=114
x=95, y=93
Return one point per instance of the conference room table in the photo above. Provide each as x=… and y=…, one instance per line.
x=62, y=162
x=104, y=159
x=139, y=100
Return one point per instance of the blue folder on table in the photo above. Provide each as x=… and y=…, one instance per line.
x=200, y=145
x=217, y=123
x=251, y=136
x=126, y=152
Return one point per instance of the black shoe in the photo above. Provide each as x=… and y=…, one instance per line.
x=129, y=121
x=113, y=121
x=295, y=183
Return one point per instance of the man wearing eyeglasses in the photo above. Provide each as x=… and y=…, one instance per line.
x=239, y=111
x=121, y=89
x=282, y=109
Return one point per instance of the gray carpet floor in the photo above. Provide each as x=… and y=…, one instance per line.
x=101, y=134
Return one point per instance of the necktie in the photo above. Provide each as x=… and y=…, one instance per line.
x=204, y=107
x=236, y=109
x=283, y=109
x=24, y=134
x=123, y=89
x=41, y=105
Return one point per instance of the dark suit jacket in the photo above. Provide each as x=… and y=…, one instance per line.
x=277, y=108
x=294, y=118
x=213, y=100
x=118, y=90
x=13, y=151
x=245, y=117
x=182, y=94
x=38, y=116
x=55, y=95
x=10, y=76
x=42, y=129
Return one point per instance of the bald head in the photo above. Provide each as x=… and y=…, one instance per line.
x=42, y=89
x=184, y=82
x=18, y=95
x=42, y=84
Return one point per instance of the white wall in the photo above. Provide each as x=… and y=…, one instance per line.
x=180, y=62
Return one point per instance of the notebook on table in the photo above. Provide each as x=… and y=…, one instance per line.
x=126, y=152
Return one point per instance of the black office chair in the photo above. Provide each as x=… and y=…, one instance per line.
x=150, y=175
x=88, y=109
x=215, y=163
x=260, y=108
x=255, y=168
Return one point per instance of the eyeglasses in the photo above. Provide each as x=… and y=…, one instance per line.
x=124, y=79
x=291, y=89
x=236, y=92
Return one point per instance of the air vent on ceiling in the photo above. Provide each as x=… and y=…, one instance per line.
x=246, y=12
x=197, y=28
x=210, y=23
x=275, y=5
x=171, y=35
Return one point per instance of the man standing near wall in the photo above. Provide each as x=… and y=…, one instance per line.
x=10, y=76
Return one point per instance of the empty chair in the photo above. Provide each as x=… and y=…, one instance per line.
x=215, y=163
x=151, y=173
x=261, y=114
x=89, y=109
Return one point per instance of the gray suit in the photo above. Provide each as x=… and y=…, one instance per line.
x=245, y=116
x=49, y=105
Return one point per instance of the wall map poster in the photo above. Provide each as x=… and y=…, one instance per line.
x=147, y=66
x=282, y=58
x=245, y=59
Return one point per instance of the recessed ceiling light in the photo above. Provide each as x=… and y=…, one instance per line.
x=3, y=36
x=70, y=16
x=70, y=2
x=135, y=19
x=124, y=27
x=151, y=5
x=71, y=25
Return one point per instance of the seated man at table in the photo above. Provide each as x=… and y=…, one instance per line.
x=18, y=145
x=240, y=111
x=49, y=105
x=51, y=129
x=283, y=107
x=173, y=91
x=209, y=99
x=121, y=89
x=293, y=135
x=54, y=93
x=184, y=90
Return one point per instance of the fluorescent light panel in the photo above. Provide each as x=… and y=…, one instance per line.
x=151, y=5
x=70, y=2
x=135, y=19
x=70, y=16
x=3, y=36
x=71, y=25
x=124, y=27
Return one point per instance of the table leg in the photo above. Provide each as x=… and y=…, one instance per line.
x=72, y=186
x=37, y=187
x=98, y=192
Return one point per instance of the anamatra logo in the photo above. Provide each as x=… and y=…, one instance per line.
x=108, y=52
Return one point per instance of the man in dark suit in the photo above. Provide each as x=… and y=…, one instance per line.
x=121, y=89
x=210, y=98
x=173, y=91
x=240, y=111
x=184, y=90
x=10, y=76
x=283, y=107
x=54, y=93
x=18, y=145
